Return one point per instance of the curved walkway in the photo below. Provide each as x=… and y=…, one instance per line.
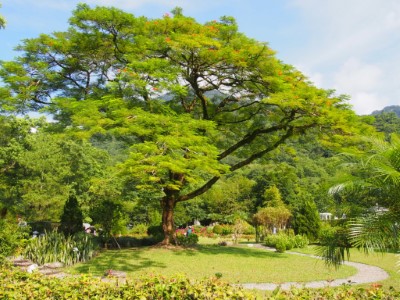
x=365, y=274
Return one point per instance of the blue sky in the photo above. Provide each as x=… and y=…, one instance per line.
x=352, y=46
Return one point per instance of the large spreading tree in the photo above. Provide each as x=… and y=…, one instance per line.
x=196, y=100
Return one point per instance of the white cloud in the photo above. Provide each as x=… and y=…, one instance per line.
x=356, y=76
x=366, y=103
x=344, y=28
x=355, y=45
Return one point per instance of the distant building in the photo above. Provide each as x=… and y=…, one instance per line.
x=325, y=216
x=378, y=209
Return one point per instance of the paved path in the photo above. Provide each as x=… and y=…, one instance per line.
x=365, y=274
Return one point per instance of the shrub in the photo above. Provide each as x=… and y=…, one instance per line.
x=289, y=241
x=217, y=229
x=224, y=229
x=249, y=230
x=300, y=241
x=139, y=229
x=12, y=238
x=227, y=229
x=155, y=230
x=280, y=246
x=270, y=240
x=129, y=241
x=19, y=285
x=187, y=241
x=55, y=247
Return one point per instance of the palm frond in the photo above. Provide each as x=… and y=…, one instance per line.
x=376, y=232
x=334, y=248
x=333, y=255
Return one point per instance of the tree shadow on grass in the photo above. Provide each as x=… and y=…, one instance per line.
x=135, y=260
x=229, y=250
x=125, y=260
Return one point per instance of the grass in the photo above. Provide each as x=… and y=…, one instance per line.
x=236, y=264
x=386, y=261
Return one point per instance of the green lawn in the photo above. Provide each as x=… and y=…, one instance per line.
x=386, y=261
x=236, y=264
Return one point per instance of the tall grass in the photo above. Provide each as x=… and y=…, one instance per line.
x=55, y=247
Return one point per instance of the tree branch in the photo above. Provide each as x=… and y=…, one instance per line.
x=200, y=190
x=249, y=138
x=253, y=157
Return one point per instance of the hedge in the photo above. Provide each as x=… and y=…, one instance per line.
x=15, y=284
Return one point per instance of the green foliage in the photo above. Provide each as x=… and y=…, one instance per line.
x=156, y=231
x=109, y=217
x=72, y=218
x=2, y=21
x=283, y=241
x=281, y=246
x=344, y=292
x=387, y=122
x=300, y=241
x=193, y=101
x=334, y=245
x=140, y=229
x=375, y=176
x=12, y=238
x=19, y=285
x=306, y=221
x=272, y=217
x=187, y=240
x=56, y=247
x=228, y=197
x=129, y=241
x=273, y=197
x=375, y=232
x=223, y=229
x=39, y=168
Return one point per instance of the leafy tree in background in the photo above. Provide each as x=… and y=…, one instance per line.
x=109, y=217
x=306, y=221
x=39, y=168
x=230, y=197
x=71, y=218
x=227, y=100
x=12, y=144
x=274, y=215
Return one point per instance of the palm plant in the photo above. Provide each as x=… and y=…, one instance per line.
x=375, y=175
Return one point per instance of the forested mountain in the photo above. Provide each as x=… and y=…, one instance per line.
x=387, y=120
x=387, y=109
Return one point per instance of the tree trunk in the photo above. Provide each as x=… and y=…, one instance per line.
x=168, y=203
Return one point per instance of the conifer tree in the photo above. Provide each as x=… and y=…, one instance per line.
x=71, y=219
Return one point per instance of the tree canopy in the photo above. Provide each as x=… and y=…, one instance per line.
x=192, y=101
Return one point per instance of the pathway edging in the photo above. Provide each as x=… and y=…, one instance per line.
x=365, y=274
